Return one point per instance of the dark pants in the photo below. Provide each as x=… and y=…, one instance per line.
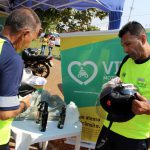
x=117, y=142
x=4, y=147
x=43, y=49
x=50, y=51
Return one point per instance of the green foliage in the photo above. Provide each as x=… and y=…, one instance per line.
x=69, y=18
x=49, y=18
x=92, y=28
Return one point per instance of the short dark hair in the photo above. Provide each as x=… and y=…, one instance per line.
x=22, y=18
x=133, y=27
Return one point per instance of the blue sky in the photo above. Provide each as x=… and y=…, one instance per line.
x=140, y=12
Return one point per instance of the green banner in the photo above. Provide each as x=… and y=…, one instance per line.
x=87, y=63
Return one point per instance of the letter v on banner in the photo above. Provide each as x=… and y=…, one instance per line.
x=110, y=66
x=107, y=69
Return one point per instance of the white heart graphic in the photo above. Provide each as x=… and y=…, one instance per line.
x=84, y=64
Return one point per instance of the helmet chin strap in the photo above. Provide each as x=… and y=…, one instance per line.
x=104, y=139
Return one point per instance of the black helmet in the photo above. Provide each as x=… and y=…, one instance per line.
x=117, y=101
x=25, y=89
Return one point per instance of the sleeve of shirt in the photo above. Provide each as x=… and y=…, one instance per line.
x=10, y=78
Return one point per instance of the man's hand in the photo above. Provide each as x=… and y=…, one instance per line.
x=111, y=83
x=26, y=99
x=140, y=105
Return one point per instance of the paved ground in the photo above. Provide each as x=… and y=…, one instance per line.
x=54, y=80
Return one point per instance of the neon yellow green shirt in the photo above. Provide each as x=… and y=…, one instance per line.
x=139, y=75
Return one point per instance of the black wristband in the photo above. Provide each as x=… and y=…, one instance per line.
x=25, y=106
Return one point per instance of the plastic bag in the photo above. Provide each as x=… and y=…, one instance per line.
x=31, y=79
x=27, y=74
x=72, y=114
x=54, y=106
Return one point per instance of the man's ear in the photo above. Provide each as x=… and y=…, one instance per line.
x=143, y=38
x=26, y=32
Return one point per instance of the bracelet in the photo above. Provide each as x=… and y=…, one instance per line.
x=25, y=106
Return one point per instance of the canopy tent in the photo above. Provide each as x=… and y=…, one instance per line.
x=113, y=7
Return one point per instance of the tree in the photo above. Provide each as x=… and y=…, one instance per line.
x=69, y=19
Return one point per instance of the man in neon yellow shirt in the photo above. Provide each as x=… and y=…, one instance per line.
x=135, y=69
x=45, y=42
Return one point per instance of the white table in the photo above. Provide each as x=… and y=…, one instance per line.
x=27, y=133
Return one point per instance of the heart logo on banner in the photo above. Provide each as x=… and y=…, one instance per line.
x=80, y=65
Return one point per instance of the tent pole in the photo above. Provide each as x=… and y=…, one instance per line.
x=131, y=8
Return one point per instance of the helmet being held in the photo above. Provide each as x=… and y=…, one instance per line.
x=117, y=101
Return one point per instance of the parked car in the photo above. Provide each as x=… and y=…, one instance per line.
x=57, y=39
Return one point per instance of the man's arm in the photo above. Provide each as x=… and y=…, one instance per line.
x=4, y=115
x=141, y=106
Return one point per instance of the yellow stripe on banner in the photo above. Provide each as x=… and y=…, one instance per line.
x=71, y=42
x=1, y=44
x=91, y=123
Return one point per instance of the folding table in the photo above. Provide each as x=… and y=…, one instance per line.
x=27, y=133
